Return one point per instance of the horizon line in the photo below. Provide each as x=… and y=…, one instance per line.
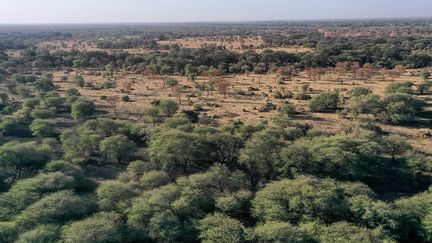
x=219, y=21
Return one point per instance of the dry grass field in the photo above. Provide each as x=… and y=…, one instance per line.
x=232, y=43
x=246, y=94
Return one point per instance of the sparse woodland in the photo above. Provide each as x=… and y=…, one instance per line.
x=270, y=132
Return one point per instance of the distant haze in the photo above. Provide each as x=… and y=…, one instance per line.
x=145, y=11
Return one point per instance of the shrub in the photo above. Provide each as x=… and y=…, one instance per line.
x=403, y=87
x=72, y=92
x=117, y=148
x=101, y=227
x=9, y=127
x=53, y=102
x=42, y=128
x=42, y=233
x=359, y=91
x=302, y=96
x=108, y=85
x=71, y=99
x=400, y=108
x=269, y=106
x=287, y=109
x=79, y=80
x=220, y=228
x=325, y=102
x=125, y=98
x=31, y=103
x=191, y=115
x=82, y=109
x=42, y=113
x=424, y=87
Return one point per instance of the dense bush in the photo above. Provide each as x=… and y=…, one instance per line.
x=325, y=102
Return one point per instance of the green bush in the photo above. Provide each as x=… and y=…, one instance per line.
x=42, y=128
x=325, y=102
x=82, y=109
x=102, y=227
x=72, y=92
x=125, y=98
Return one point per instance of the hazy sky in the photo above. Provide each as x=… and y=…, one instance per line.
x=90, y=11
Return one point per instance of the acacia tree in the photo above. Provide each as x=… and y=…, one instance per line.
x=168, y=107
x=117, y=148
x=109, y=68
x=113, y=102
x=220, y=228
x=82, y=109
x=341, y=68
x=367, y=71
x=19, y=158
x=105, y=227
x=222, y=85
x=260, y=154
x=395, y=145
x=178, y=90
x=171, y=83
x=313, y=74
x=355, y=66
x=172, y=149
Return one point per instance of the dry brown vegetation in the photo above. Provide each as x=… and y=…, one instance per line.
x=239, y=97
x=232, y=43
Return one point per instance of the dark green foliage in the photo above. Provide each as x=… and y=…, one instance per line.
x=79, y=80
x=43, y=233
x=276, y=231
x=18, y=159
x=173, y=149
x=125, y=98
x=364, y=104
x=84, y=142
x=72, y=92
x=403, y=87
x=395, y=108
x=54, y=208
x=359, y=91
x=287, y=109
x=426, y=74
x=82, y=109
x=44, y=83
x=191, y=115
x=325, y=102
x=117, y=148
x=42, y=128
x=424, y=87
x=301, y=199
x=10, y=127
x=267, y=107
x=31, y=102
x=42, y=113
x=220, y=228
x=260, y=155
x=168, y=107
x=401, y=108
x=99, y=228
x=28, y=191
